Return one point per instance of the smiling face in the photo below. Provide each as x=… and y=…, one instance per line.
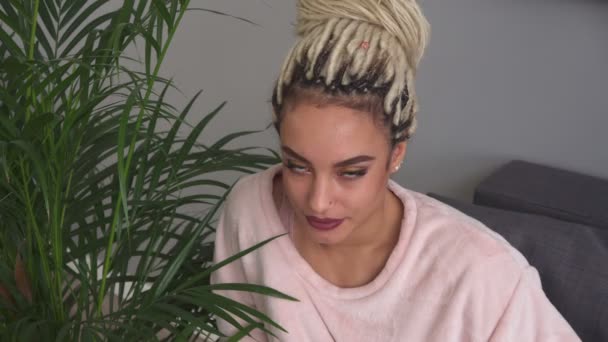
x=336, y=165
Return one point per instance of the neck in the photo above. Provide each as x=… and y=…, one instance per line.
x=360, y=259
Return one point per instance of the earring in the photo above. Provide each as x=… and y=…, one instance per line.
x=397, y=167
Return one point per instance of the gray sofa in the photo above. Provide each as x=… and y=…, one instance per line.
x=559, y=221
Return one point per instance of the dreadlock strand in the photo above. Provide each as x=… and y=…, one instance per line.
x=338, y=52
x=320, y=42
x=365, y=52
x=359, y=46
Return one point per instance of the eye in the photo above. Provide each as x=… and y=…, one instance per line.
x=296, y=168
x=353, y=174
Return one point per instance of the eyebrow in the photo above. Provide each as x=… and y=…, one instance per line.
x=347, y=162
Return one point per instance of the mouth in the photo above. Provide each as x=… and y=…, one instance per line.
x=323, y=223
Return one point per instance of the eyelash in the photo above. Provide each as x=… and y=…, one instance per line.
x=349, y=175
x=295, y=168
x=353, y=174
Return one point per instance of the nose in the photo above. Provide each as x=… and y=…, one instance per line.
x=320, y=195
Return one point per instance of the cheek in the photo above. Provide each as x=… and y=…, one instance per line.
x=295, y=188
x=365, y=193
x=370, y=192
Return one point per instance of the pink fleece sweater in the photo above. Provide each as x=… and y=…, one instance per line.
x=449, y=278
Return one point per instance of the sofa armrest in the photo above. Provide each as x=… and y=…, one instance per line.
x=538, y=189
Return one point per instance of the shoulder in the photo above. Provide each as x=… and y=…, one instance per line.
x=473, y=273
x=459, y=253
x=251, y=192
x=248, y=211
x=453, y=231
x=461, y=263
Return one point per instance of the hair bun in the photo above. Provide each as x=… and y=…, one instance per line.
x=401, y=18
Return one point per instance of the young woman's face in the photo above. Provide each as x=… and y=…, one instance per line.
x=336, y=165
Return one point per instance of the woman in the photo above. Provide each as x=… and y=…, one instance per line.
x=367, y=259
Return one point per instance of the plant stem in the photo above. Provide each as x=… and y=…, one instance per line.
x=30, y=53
x=40, y=243
x=117, y=209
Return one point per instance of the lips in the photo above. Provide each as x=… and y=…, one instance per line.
x=323, y=223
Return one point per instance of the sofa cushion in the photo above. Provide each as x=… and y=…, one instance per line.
x=533, y=188
x=569, y=257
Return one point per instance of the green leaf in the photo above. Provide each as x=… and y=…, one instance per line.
x=244, y=332
x=159, y=5
x=65, y=123
x=13, y=47
x=223, y=263
x=36, y=127
x=73, y=8
x=88, y=29
x=122, y=168
x=247, y=288
x=48, y=16
x=223, y=14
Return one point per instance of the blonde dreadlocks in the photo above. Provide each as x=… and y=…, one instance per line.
x=354, y=48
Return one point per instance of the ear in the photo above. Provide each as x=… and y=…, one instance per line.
x=397, y=156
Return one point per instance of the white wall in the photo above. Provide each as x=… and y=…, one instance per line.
x=500, y=80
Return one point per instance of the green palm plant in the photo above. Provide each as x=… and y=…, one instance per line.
x=97, y=236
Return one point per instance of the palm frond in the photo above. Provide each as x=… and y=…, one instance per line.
x=107, y=219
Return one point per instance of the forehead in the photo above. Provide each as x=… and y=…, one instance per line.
x=331, y=133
